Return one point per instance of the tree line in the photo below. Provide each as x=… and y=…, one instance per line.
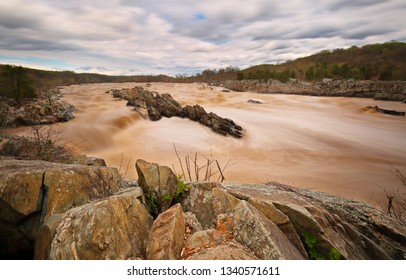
x=371, y=62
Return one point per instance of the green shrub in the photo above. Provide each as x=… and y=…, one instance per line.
x=154, y=205
x=310, y=244
x=180, y=190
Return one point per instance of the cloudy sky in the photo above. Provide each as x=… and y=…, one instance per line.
x=185, y=37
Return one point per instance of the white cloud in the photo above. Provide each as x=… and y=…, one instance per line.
x=179, y=36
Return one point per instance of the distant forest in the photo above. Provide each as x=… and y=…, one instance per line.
x=385, y=61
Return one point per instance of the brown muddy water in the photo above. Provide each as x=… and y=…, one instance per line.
x=326, y=144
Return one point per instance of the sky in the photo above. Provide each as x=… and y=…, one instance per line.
x=139, y=37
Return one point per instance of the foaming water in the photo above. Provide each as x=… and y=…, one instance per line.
x=322, y=143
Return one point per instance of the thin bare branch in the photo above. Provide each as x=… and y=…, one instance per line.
x=121, y=162
x=221, y=173
x=126, y=170
x=180, y=161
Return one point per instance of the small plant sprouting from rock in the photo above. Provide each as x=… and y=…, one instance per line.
x=180, y=190
x=155, y=205
x=152, y=204
x=310, y=244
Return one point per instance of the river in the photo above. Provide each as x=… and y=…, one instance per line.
x=326, y=144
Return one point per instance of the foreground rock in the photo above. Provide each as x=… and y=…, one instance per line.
x=76, y=212
x=156, y=106
x=353, y=229
x=113, y=228
x=31, y=191
x=230, y=251
x=159, y=184
x=207, y=201
x=167, y=235
x=262, y=236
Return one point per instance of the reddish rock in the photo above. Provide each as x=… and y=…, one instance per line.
x=167, y=235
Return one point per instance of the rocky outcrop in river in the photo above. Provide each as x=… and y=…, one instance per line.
x=86, y=212
x=380, y=90
x=35, y=112
x=156, y=106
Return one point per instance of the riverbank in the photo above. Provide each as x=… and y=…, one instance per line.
x=378, y=90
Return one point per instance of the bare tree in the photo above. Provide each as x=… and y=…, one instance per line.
x=16, y=83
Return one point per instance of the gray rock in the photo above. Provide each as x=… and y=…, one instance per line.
x=207, y=201
x=192, y=222
x=253, y=101
x=253, y=230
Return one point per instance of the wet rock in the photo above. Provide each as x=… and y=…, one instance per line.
x=194, y=113
x=159, y=184
x=221, y=125
x=167, y=106
x=167, y=235
x=376, y=109
x=253, y=101
x=260, y=235
x=113, y=228
x=163, y=105
x=154, y=114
